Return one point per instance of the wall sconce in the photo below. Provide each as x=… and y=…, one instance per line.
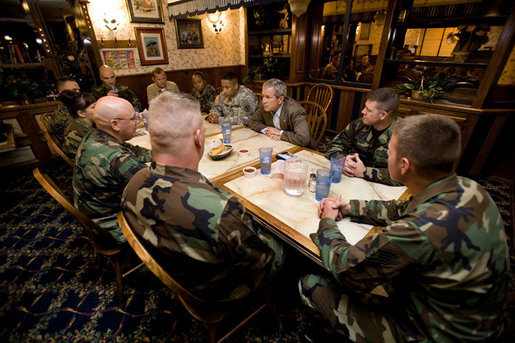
x=299, y=7
x=216, y=19
x=111, y=24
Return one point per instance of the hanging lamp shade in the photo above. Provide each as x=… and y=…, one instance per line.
x=299, y=7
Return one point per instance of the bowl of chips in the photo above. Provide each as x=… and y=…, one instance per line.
x=222, y=151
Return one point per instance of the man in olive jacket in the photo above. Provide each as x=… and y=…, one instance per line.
x=280, y=117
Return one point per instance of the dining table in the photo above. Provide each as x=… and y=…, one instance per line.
x=241, y=138
x=294, y=218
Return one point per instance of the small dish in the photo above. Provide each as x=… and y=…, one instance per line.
x=223, y=155
x=244, y=152
x=249, y=171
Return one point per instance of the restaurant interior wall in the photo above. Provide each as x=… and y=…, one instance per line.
x=226, y=48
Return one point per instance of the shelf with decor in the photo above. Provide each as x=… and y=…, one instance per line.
x=448, y=60
x=269, y=40
x=455, y=42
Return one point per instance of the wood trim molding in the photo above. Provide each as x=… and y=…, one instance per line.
x=500, y=56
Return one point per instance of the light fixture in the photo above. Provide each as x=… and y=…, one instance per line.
x=299, y=7
x=215, y=18
x=380, y=16
x=111, y=23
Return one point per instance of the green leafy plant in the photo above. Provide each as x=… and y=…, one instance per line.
x=251, y=73
x=429, y=85
x=20, y=87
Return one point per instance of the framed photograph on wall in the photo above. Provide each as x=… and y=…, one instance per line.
x=145, y=11
x=151, y=45
x=189, y=34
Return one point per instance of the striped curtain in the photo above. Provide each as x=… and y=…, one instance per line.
x=195, y=7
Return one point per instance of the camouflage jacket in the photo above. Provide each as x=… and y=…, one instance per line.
x=103, y=166
x=59, y=121
x=73, y=136
x=201, y=234
x=206, y=99
x=239, y=108
x=123, y=92
x=373, y=151
x=444, y=252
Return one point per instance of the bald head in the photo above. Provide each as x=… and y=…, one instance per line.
x=174, y=120
x=110, y=112
x=107, y=76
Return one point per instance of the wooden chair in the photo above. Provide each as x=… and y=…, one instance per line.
x=321, y=94
x=44, y=123
x=101, y=239
x=196, y=307
x=317, y=120
x=259, y=97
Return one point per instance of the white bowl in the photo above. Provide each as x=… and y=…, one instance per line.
x=249, y=171
x=244, y=152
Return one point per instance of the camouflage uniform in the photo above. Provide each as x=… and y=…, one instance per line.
x=206, y=99
x=59, y=121
x=372, y=150
x=443, y=255
x=239, y=108
x=73, y=136
x=123, y=92
x=200, y=233
x=103, y=166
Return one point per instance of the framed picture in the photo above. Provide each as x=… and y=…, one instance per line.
x=145, y=11
x=189, y=33
x=119, y=58
x=151, y=45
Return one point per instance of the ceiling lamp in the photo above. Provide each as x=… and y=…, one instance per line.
x=379, y=18
x=298, y=7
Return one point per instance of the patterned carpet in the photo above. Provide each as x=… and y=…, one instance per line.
x=53, y=290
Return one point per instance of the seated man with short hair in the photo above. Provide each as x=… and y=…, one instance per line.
x=61, y=118
x=236, y=103
x=160, y=84
x=105, y=163
x=281, y=117
x=202, y=235
x=111, y=87
x=442, y=255
x=365, y=140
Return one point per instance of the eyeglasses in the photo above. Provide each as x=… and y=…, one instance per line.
x=135, y=117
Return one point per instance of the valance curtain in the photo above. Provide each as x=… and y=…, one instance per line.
x=195, y=7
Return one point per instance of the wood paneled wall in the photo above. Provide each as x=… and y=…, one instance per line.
x=138, y=83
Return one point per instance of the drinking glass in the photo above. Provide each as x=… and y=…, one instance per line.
x=337, y=162
x=295, y=172
x=265, y=160
x=323, y=184
x=226, y=131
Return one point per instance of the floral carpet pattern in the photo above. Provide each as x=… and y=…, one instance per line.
x=53, y=289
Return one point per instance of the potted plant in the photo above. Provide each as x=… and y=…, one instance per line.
x=22, y=89
x=254, y=73
x=429, y=86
